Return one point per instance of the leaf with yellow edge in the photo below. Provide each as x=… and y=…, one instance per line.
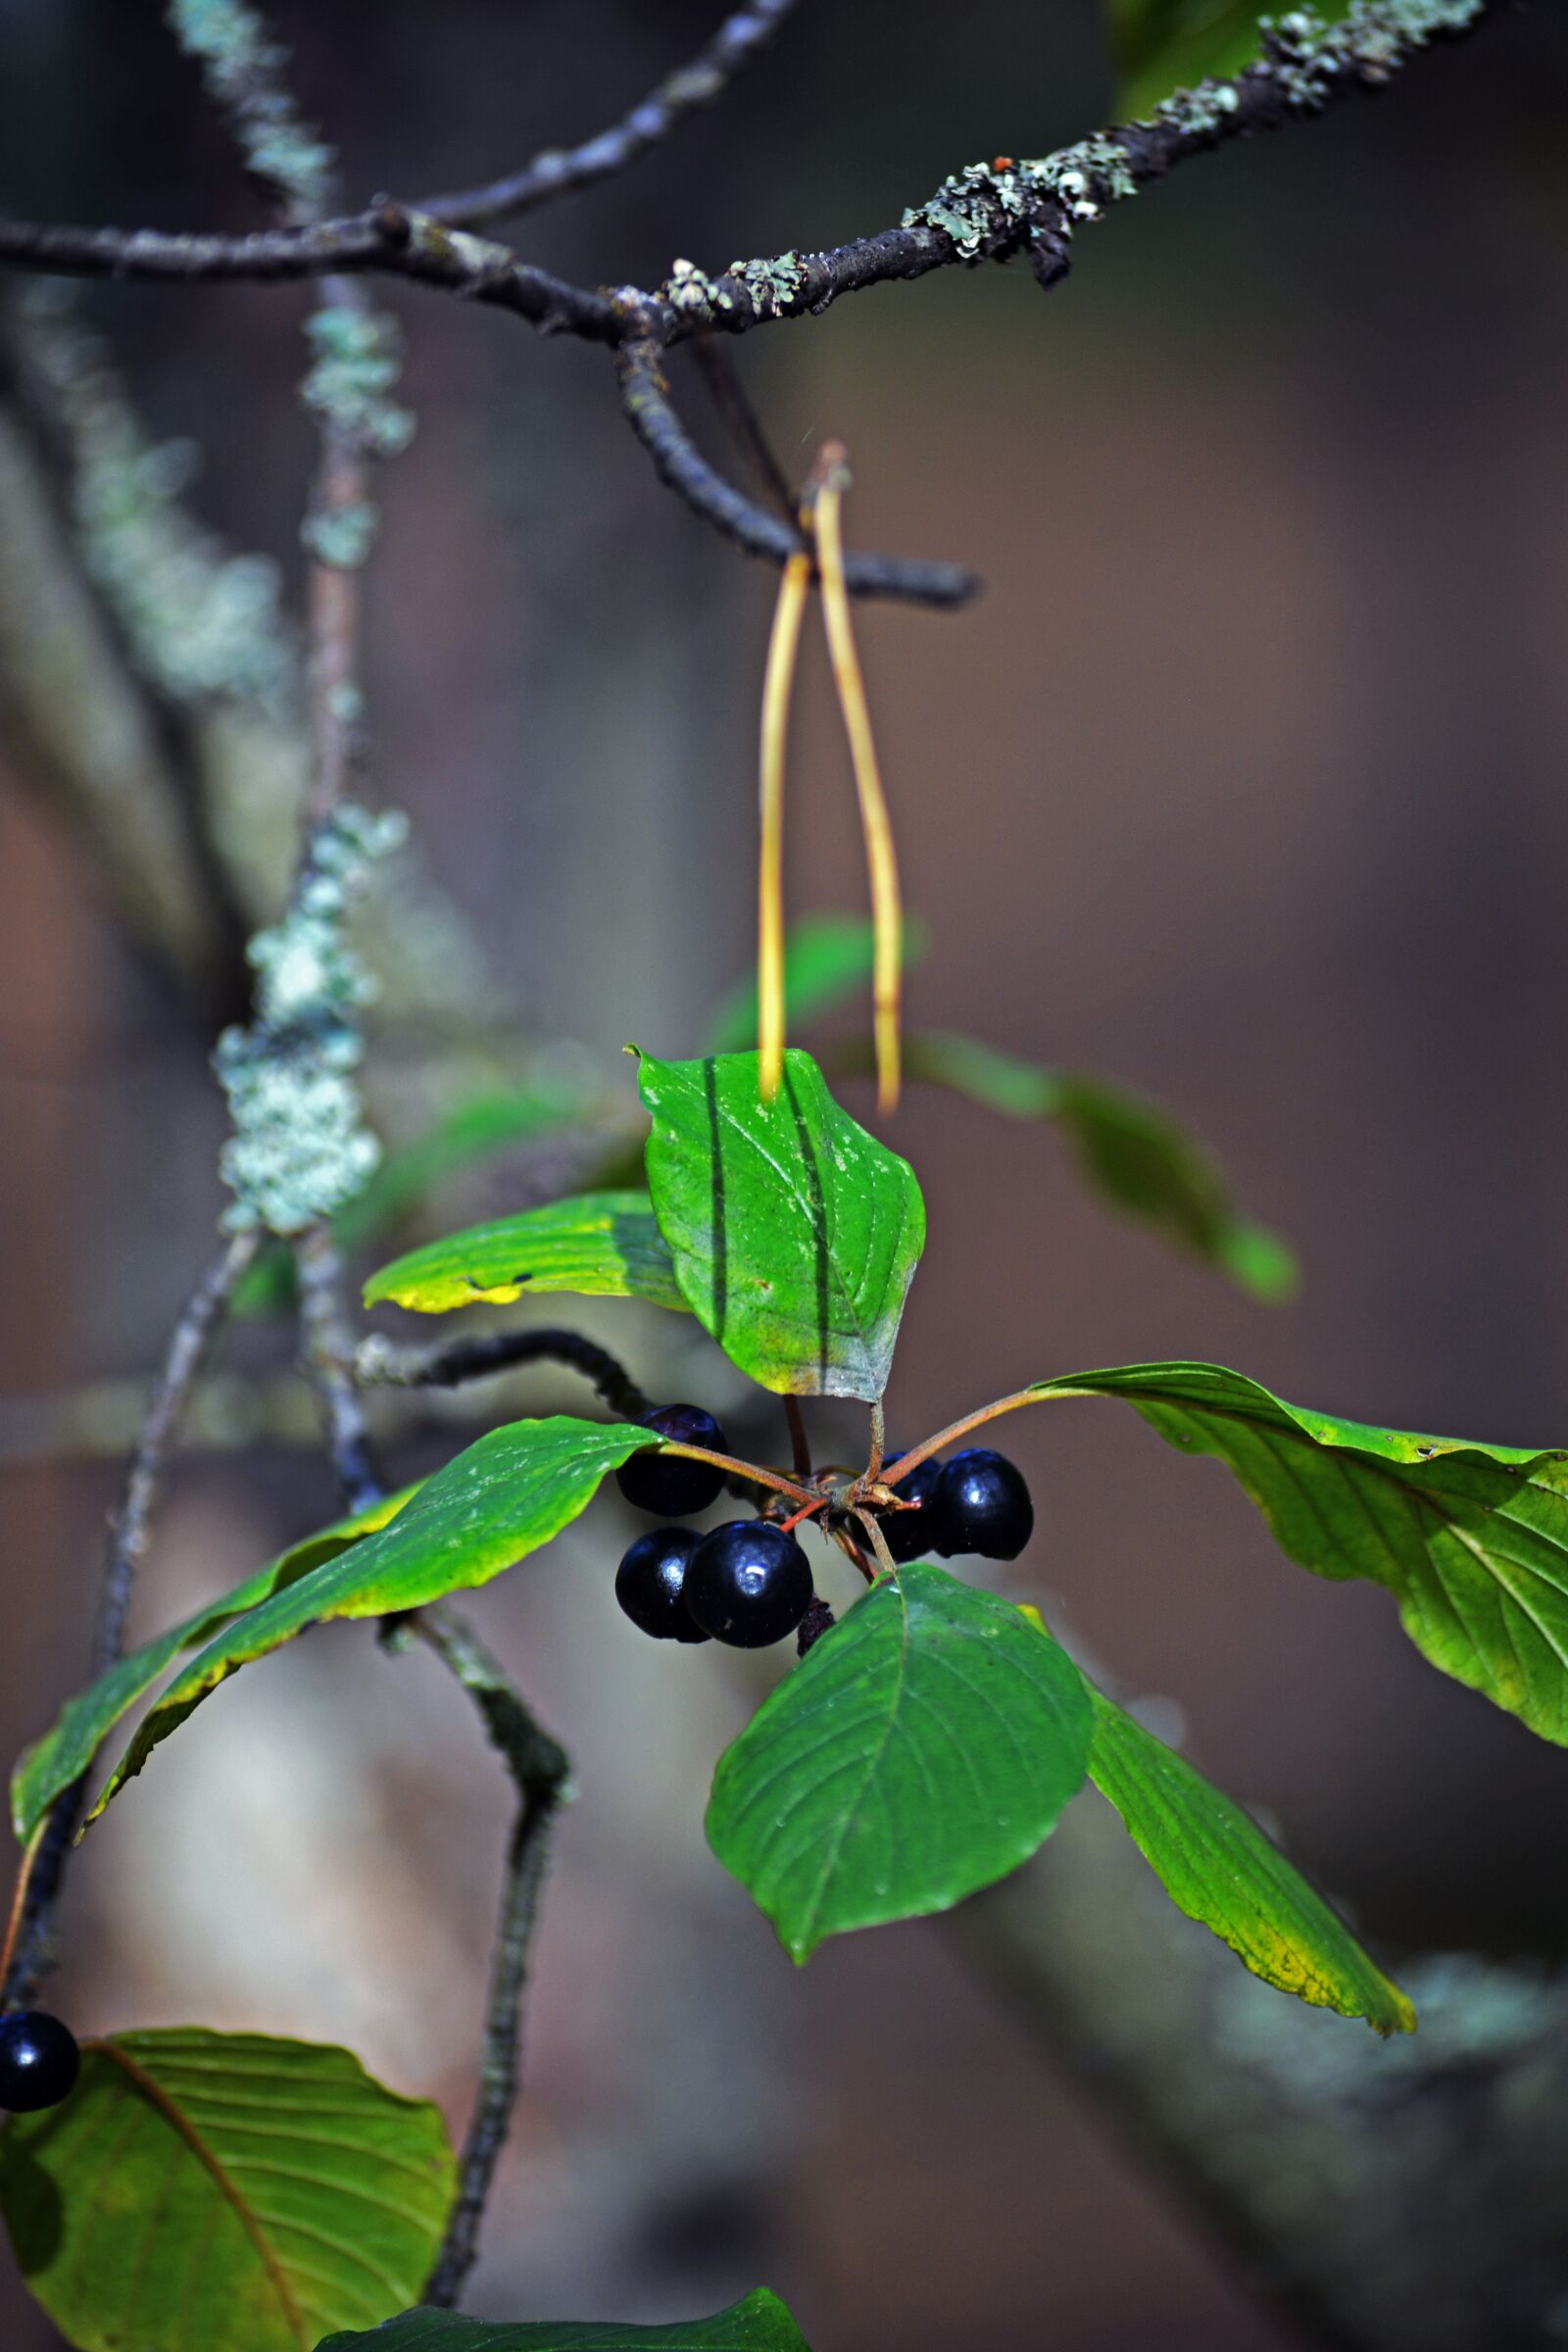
x=223, y=2192
x=51, y=1764
x=598, y=1244
x=502, y=1497
x=1217, y=1866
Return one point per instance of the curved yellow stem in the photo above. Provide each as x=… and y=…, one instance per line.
x=783, y=648
x=887, y=913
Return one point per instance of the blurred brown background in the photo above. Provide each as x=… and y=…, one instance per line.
x=1242, y=783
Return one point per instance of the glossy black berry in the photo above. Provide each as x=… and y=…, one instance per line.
x=982, y=1504
x=817, y=1621
x=38, y=2061
x=748, y=1584
x=664, y=1484
x=650, y=1584
x=912, y=1535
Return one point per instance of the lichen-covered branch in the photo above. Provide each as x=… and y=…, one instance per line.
x=1406, y=2201
x=87, y=737
x=986, y=211
x=561, y=171
x=243, y=68
x=540, y=1773
x=990, y=211
x=300, y=1148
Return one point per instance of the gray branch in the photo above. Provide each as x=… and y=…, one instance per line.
x=540, y=1773
x=1399, y=2198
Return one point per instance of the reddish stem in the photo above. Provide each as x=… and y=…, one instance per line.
x=960, y=1429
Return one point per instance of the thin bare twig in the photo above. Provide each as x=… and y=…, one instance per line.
x=45, y=1862
x=561, y=171
x=540, y=1772
x=329, y=1360
x=682, y=466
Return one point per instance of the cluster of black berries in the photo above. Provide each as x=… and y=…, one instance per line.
x=38, y=2061
x=976, y=1502
x=747, y=1582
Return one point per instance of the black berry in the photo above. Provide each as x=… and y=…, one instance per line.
x=650, y=1584
x=664, y=1484
x=748, y=1584
x=912, y=1535
x=38, y=2061
x=982, y=1504
x=817, y=1621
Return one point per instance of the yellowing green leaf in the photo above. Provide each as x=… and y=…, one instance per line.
x=496, y=1503
x=1217, y=1866
x=63, y=1754
x=225, y=2192
x=1471, y=1540
x=598, y=1244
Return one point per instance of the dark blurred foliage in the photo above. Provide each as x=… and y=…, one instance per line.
x=1244, y=783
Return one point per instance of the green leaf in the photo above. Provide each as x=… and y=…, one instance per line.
x=496, y=1503
x=794, y=1232
x=923, y=1748
x=1164, y=45
x=1471, y=1540
x=225, y=2192
x=759, y=2324
x=827, y=958
x=604, y=1245
x=1131, y=1151
x=1217, y=1866
x=64, y=1755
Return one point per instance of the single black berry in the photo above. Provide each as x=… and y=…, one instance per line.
x=982, y=1504
x=663, y=1483
x=912, y=1535
x=748, y=1584
x=817, y=1621
x=38, y=2061
x=650, y=1584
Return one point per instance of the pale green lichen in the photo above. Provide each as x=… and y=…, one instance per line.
x=690, y=290
x=300, y=1146
x=359, y=358
x=201, y=624
x=983, y=208
x=241, y=60
x=342, y=537
x=773, y=286
x=1304, y=54
x=1201, y=111
x=1085, y=179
